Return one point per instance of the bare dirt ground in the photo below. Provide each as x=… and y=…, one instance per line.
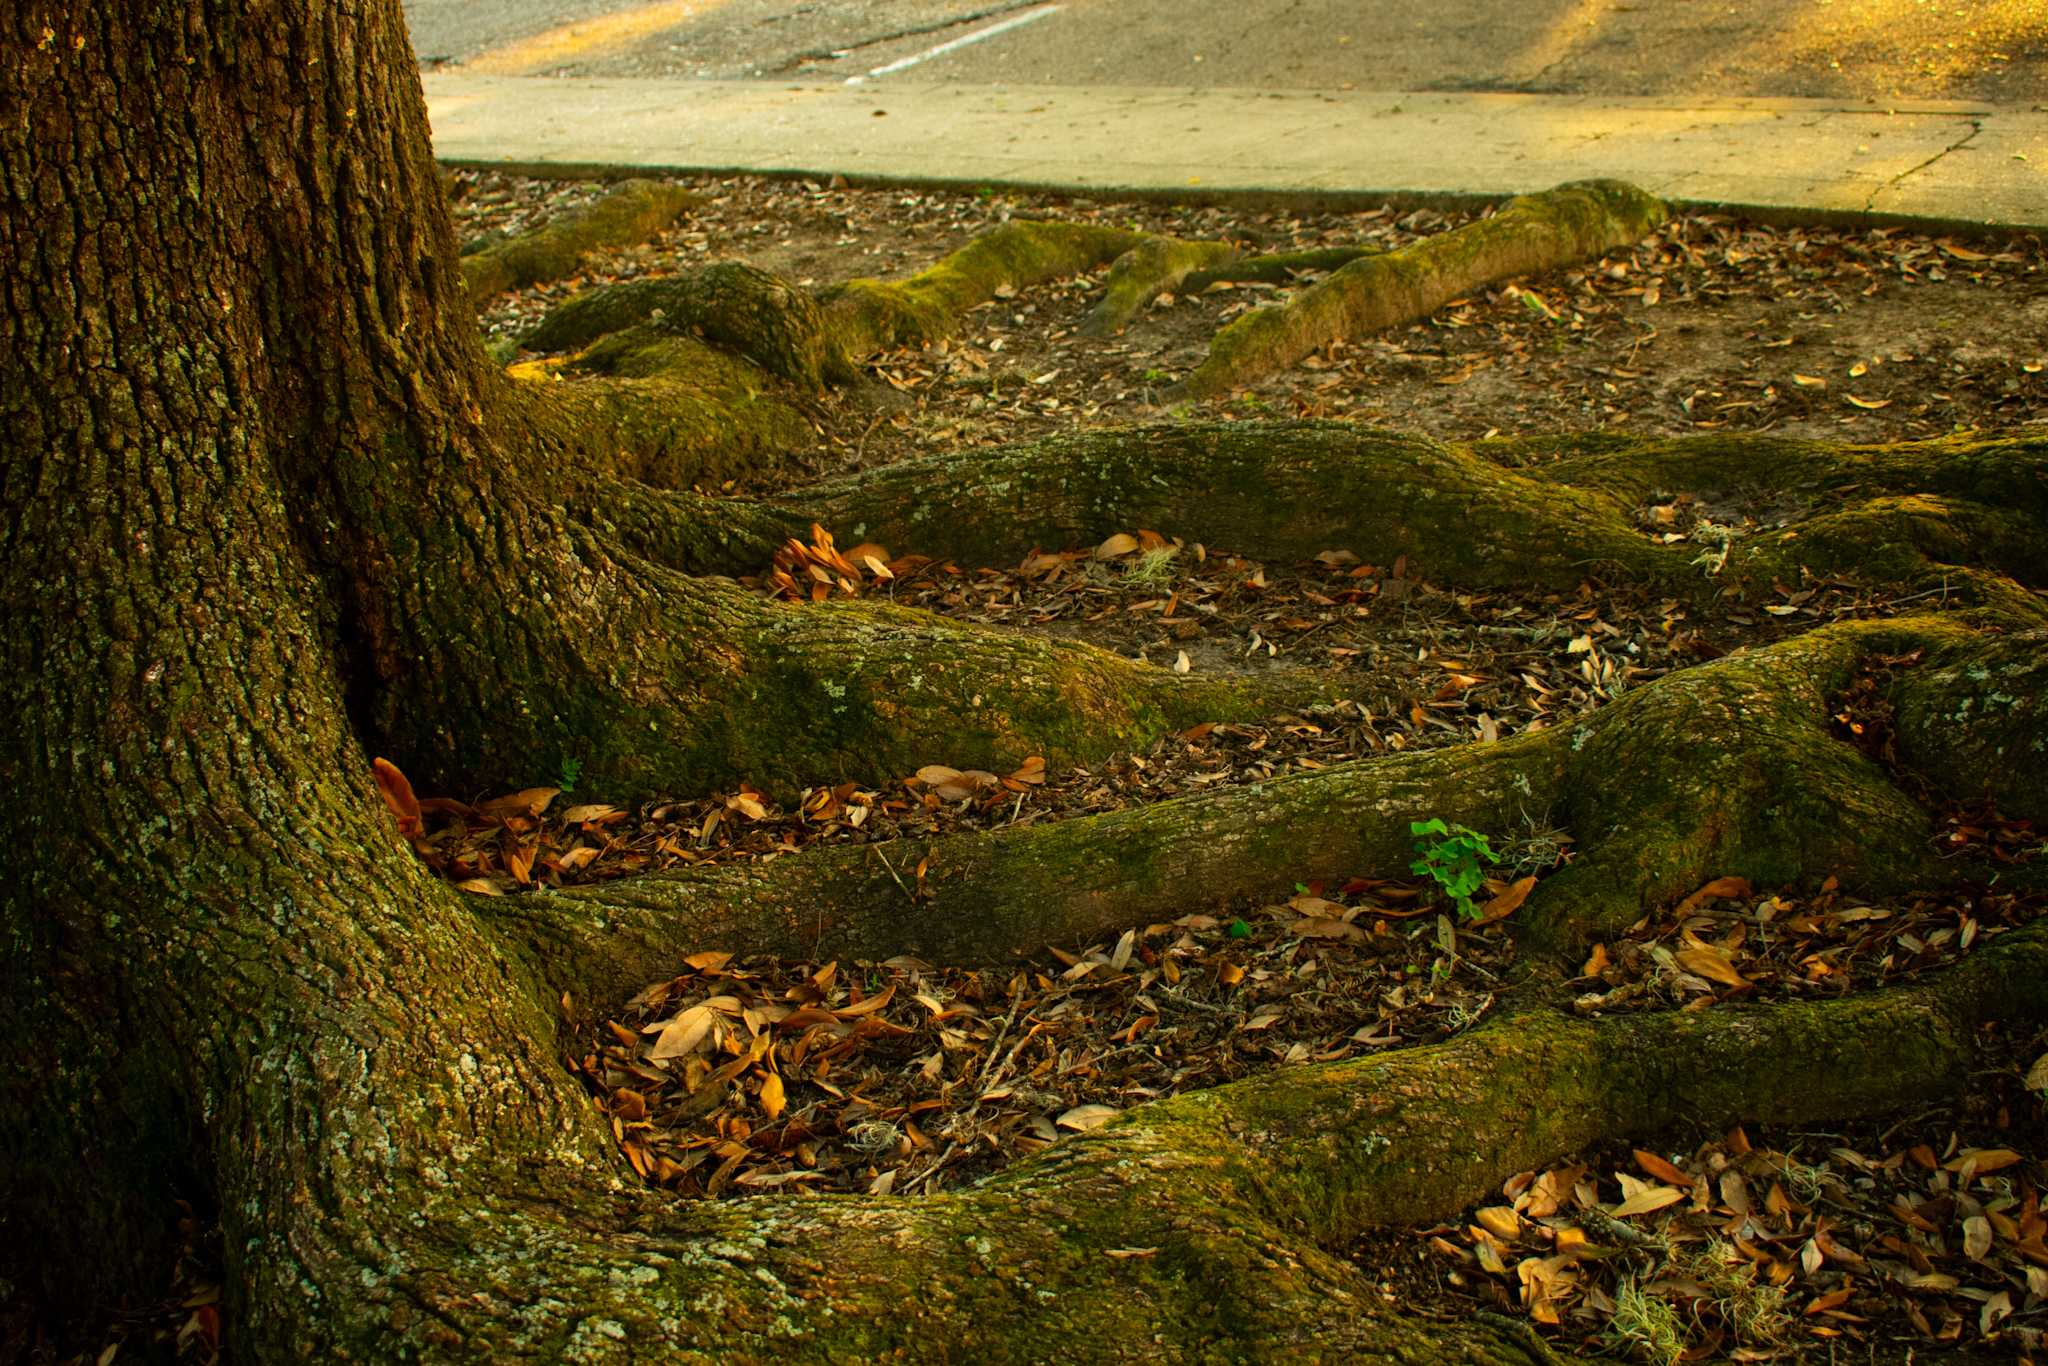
x=1715, y=323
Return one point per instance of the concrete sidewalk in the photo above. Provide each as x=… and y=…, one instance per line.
x=1954, y=163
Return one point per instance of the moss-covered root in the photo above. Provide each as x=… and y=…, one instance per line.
x=747, y=311
x=1277, y=268
x=1194, y=1228
x=1727, y=770
x=1533, y=233
x=632, y=213
x=657, y=683
x=1285, y=490
x=647, y=426
x=1917, y=517
x=866, y=316
x=1155, y=265
x=1417, y=1134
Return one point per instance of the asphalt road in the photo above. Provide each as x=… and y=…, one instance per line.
x=1988, y=50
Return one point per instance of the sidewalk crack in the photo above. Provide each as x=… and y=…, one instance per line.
x=1976, y=127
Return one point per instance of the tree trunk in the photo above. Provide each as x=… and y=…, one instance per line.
x=266, y=511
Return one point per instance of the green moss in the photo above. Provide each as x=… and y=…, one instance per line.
x=1278, y=268
x=1138, y=276
x=632, y=213
x=866, y=316
x=1533, y=233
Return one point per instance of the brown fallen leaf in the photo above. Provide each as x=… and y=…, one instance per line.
x=1646, y=1200
x=1661, y=1169
x=398, y=797
x=1704, y=960
x=1721, y=888
x=1508, y=902
x=1082, y=1118
x=528, y=802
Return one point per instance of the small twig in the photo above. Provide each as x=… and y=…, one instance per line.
x=929, y=1172
x=1192, y=1004
x=860, y=452
x=1015, y=1048
x=1941, y=592
x=894, y=878
x=1001, y=1034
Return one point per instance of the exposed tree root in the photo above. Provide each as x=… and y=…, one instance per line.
x=1960, y=517
x=631, y=213
x=1154, y=265
x=1731, y=770
x=749, y=312
x=1533, y=233
x=1277, y=268
x=241, y=988
x=867, y=316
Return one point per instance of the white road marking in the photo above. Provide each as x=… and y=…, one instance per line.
x=1002, y=26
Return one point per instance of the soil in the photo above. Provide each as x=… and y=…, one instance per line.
x=1715, y=323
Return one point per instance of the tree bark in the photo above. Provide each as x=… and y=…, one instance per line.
x=265, y=510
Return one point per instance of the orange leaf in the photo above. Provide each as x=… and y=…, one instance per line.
x=1661, y=1169
x=397, y=794
x=1508, y=902
x=1720, y=888
x=1704, y=960
x=527, y=802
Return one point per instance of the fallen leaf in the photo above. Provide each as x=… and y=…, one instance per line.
x=685, y=1033
x=1868, y=402
x=398, y=796
x=1978, y=1161
x=1326, y=927
x=1508, y=902
x=1704, y=960
x=1123, y=543
x=1502, y=1222
x=1720, y=889
x=529, y=802
x=1661, y=1169
x=1082, y=1118
x=1648, y=1199
x=772, y=1097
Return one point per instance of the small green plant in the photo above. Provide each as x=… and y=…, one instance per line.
x=572, y=769
x=1155, y=376
x=1153, y=569
x=1644, y=1326
x=1454, y=856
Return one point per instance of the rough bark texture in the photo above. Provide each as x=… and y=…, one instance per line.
x=264, y=510
x=1534, y=233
